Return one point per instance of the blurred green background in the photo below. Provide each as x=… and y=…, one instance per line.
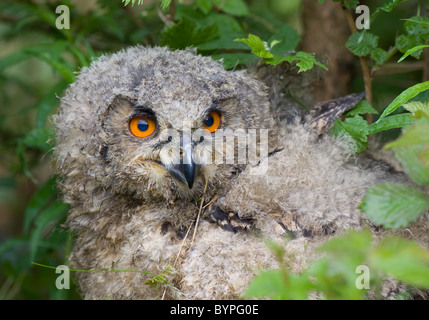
x=38, y=61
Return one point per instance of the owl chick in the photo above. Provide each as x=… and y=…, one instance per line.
x=146, y=134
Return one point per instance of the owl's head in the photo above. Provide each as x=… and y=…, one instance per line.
x=146, y=122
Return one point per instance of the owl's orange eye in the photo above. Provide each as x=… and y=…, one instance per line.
x=213, y=121
x=141, y=127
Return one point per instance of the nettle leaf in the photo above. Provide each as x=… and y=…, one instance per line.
x=417, y=50
x=288, y=39
x=403, y=259
x=231, y=60
x=233, y=7
x=393, y=205
x=418, y=109
x=362, y=107
x=417, y=27
x=413, y=135
x=404, y=97
x=379, y=56
x=389, y=5
x=187, y=33
x=259, y=47
x=355, y=129
x=305, y=61
x=205, y=5
x=407, y=43
x=408, y=149
x=362, y=43
x=278, y=284
x=391, y=122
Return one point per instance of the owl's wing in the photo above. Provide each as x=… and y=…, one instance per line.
x=323, y=114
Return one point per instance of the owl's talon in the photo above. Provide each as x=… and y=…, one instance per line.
x=230, y=221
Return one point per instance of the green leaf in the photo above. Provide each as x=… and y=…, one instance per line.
x=404, y=260
x=420, y=20
x=233, y=7
x=40, y=199
x=393, y=205
x=305, y=61
x=424, y=156
x=418, y=109
x=406, y=44
x=404, y=97
x=165, y=4
x=412, y=50
x=48, y=216
x=49, y=102
x=409, y=149
x=205, y=5
x=356, y=129
x=231, y=60
x=362, y=43
x=259, y=48
x=389, y=5
x=289, y=40
x=409, y=158
x=187, y=33
x=277, y=284
x=363, y=107
x=414, y=135
x=391, y=122
x=126, y=2
x=379, y=56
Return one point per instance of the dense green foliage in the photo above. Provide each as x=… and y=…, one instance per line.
x=38, y=61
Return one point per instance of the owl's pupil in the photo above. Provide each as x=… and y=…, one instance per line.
x=143, y=125
x=208, y=121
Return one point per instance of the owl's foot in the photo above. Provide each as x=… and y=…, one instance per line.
x=230, y=221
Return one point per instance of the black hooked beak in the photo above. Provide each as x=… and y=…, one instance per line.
x=186, y=170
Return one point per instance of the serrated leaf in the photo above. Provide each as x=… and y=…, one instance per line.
x=289, y=40
x=424, y=156
x=165, y=4
x=362, y=43
x=231, y=60
x=379, y=56
x=402, y=259
x=48, y=103
x=392, y=122
x=233, y=7
x=406, y=43
x=257, y=45
x=412, y=50
x=43, y=220
x=393, y=205
x=39, y=200
x=205, y=5
x=407, y=150
x=389, y=5
x=416, y=134
x=409, y=159
x=418, y=109
x=187, y=33
x=362, y=107
x=356, y=129
x=277, y=284
x=404, y=97
x=305, y=61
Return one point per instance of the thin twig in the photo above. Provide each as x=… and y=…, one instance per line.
x=199, y=212
x=187, y=233
x=364, y=66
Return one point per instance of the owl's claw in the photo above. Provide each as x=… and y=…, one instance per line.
x=229, y=221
